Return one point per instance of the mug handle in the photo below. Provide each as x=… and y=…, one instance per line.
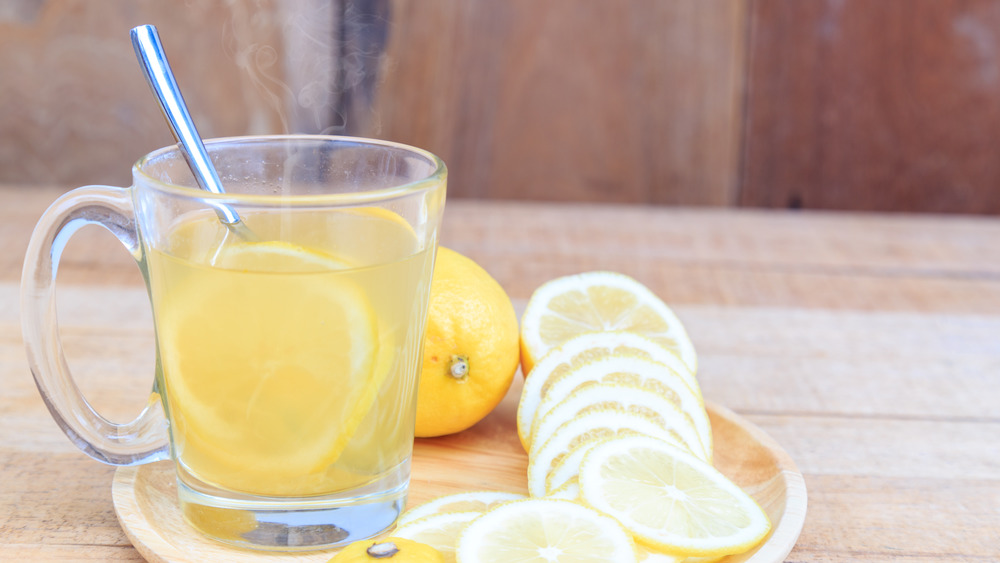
x=144, y=439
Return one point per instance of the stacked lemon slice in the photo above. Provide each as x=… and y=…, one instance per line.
x=618, y=439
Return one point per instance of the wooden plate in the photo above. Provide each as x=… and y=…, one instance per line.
x=485, y=457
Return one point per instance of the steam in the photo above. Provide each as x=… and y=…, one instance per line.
x=314, y=63
x=243, y=36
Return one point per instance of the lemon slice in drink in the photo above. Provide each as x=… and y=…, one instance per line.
x=670, y=500
x=275, y=256
x=544, y=530
x=598, y=301
x=269, y=366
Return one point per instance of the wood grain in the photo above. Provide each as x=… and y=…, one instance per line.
x=634, y=101
x=595, y=101
x=887, y=106
x=864, y=344
x=688, y=256
x=826, y=104
x=78, y=111
x=485, y=458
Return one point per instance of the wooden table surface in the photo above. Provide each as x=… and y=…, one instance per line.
x=868, y=346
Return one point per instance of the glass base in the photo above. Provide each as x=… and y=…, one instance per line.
x=293, y=524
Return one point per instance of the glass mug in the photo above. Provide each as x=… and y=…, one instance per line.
x=287, y=352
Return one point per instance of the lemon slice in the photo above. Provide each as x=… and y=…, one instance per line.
x=470, y=501
x=570, y=490
x=627, y=396
x=670, y=500
x=440, y=531
x=648, y=555
x=275, y=256
x=544, y=530
x=586, y=348
x=566, y=468
x=268, y=371
x=628, y=369
x=598, y=301
x=593, y=426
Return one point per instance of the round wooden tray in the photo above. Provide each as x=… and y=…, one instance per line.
x=485, y=457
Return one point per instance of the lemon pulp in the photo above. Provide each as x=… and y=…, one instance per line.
x=288, y=365
x=595, y=302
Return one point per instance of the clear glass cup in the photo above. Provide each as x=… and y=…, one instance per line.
x=288, y=351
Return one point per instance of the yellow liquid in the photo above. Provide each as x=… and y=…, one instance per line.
x=288, y=366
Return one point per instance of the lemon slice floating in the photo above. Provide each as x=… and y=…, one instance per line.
x=544, y=530
x=269, y=366
x=670, y=500
x=276, y=256
x=598, y=301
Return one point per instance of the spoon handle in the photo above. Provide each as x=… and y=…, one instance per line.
x=149, y=51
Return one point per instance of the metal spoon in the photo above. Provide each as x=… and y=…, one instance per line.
x=149, y=51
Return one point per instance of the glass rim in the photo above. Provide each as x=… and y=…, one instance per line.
x=432, y=180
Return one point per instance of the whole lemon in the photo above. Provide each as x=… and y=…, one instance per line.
x=471, y=350
x=398, y=550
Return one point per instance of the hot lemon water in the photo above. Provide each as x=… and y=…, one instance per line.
x=288, y=365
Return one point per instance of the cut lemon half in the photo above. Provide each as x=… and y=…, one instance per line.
x=593, y=302
x=544, y=530
x=627, y=396
x=634, y=370
x=586, y=348
x=471, y=501
x=440, y=531
x=592, y=426
x=670, y=500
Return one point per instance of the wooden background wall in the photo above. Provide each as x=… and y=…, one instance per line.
x=888, y=105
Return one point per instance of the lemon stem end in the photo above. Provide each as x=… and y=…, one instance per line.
x=459, y=368
x=382, y=550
